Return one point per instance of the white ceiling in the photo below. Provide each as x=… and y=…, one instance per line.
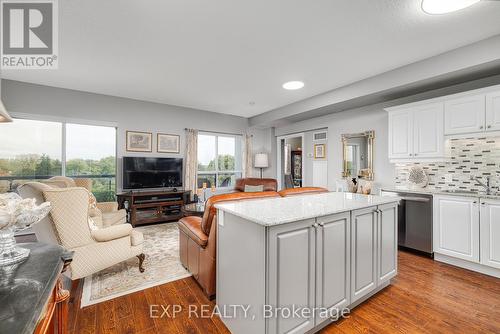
x=219, y=55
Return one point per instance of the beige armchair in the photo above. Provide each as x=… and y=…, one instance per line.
x=105, y=213
x=96, y=247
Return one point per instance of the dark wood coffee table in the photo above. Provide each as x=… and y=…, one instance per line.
x=193, y=209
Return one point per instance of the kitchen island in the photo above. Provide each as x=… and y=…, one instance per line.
x=294, y=264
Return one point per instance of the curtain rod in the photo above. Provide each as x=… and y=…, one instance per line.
x=218, y=132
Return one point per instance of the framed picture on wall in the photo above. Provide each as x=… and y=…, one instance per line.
x=168, y=143
x=139, y=141
x=319, y=151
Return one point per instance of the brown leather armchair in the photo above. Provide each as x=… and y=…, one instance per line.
x=269, y=184
x=197, y=238
x=302, y=191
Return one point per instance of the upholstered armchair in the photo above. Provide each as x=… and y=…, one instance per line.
x=95, y=247
x=103, y=213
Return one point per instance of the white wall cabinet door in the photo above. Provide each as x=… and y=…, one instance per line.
x=493, y=111
x=333, y=262
x=387, y=242
x=464, y=115
x=456, y=227
x=363, y=252
x=428, y=139
x=490, y=233
x=292, y=273
x=401, y=134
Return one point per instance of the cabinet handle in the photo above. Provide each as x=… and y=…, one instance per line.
x=315, y=225
x=416, y=154
x=483, y=203
x=411, y=154
x=489, y=126
x=481, y=127
x=321, y=224
x=474, y=202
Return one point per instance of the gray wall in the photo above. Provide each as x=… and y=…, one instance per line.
x=126, y=114
x=351, y=121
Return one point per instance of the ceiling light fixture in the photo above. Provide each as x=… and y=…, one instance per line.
x=435, y=7
x=293, y=85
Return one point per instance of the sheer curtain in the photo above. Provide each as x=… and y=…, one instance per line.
x=191, y=161
x=247, y=156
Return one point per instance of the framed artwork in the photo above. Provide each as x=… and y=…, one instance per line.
x=319, y=151
x=168, y=143
x=139, y=141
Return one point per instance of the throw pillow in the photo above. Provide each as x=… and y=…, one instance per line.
x=253, y=189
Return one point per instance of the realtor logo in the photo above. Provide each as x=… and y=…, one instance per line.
x=29, y=34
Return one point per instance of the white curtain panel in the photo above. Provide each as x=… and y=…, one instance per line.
x=247, y=156
x=191, y=161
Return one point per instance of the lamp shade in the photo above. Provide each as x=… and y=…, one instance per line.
x=4, y=115
x=261, y=160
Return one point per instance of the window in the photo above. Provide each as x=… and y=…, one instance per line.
x=90, y=153
x=37, y=150
x=219, y=160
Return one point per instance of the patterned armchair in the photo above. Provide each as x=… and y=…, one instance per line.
x=96, y=247
x=104, y=213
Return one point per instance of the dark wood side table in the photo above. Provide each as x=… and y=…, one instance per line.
x=193, y=209
x=32, y=296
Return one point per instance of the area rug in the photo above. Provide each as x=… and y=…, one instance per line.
x=162, y=264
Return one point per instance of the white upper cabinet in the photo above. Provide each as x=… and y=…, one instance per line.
x=416, y=132
x=493, y=111
x=401, y=134
x=428, y=132
x=464, y=115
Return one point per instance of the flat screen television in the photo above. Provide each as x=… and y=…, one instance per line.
x=141, y=173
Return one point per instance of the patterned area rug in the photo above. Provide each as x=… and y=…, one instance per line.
x=162, y=264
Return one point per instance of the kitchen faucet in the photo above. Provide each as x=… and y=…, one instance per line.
x=486, y=185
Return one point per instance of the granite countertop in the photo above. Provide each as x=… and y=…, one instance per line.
x=26, y=287
x=281, y=210
x=441, y=192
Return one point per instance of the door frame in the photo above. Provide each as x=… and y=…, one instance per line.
x=279, y=154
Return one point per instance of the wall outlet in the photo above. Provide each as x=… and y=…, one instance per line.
x=448, y=178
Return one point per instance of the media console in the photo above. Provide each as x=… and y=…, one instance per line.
x=146, y=207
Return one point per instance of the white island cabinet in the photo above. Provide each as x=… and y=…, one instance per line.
x=292, y=262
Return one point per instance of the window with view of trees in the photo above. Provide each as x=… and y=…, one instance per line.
x=37, y=150
x=219, y=160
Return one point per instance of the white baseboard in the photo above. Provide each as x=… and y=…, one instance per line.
x=467, y=265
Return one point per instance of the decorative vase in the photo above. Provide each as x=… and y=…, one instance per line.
x=17, y=214
x=417, y=178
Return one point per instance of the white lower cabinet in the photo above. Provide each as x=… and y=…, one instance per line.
x=468, y=228
x=363, y=253
x=490, y=233
x=292, y=259
x=332, y=257
x=329, y=262
x=456, y=227
x=388, y=241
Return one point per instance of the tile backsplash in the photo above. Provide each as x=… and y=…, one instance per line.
x=468, y=157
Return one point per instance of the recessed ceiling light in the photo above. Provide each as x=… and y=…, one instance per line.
x=445, y=6
x=293, y=85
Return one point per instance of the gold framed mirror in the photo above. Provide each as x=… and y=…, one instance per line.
x=357, y=151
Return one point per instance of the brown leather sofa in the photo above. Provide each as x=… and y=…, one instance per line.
x=269, y=184
x=197, y=239
x=301, y=191
x=197, y=235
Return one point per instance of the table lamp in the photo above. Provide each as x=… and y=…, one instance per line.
x=261, y=161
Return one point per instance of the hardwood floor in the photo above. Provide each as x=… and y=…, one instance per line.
x=426, y=297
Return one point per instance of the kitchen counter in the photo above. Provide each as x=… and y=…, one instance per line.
x=441, y=192
x=319, y=253
x=281, y=210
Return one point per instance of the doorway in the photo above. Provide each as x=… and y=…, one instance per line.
x=290, y=166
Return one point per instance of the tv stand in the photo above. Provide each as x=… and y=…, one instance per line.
x=147, y=207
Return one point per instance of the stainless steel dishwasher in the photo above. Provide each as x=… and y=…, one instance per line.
x=414, y=220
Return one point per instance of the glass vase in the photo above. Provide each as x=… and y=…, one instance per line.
x=10, y=253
